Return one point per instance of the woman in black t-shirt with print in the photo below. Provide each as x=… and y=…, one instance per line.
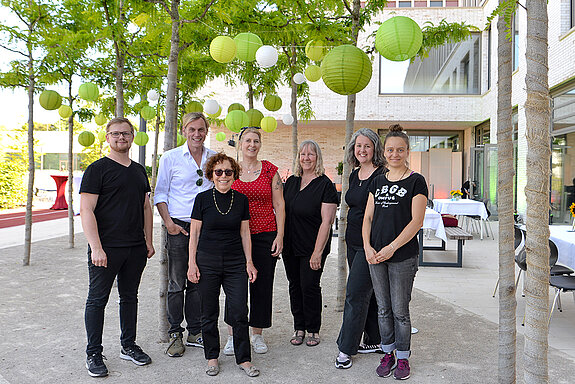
x=393, y=216
x=310, y=204
x=364, y=153
x=221, y=256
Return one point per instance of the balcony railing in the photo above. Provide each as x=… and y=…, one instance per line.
x=433, y=3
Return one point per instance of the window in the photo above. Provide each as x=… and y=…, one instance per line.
x=405, y=4
x=422, y=141
x=449, y=69
x=572, y=13
x=515, y=45
x=436, y=3
x=489, y=57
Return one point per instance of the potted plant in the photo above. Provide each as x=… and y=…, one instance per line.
x=339, y=170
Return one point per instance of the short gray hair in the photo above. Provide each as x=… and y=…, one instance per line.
x=378, y=157
x=319, y=169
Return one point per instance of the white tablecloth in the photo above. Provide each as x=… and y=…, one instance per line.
x=433, y=221
x=565, y=242
x=463, y=207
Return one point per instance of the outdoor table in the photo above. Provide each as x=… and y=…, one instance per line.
x=462, y=207
x=565, y=242
x=60, y=202
x=432, y=220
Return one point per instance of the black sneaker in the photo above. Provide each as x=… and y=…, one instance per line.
x=95, y=365
x=369, y=348
x=345, y=364
x=135, y=354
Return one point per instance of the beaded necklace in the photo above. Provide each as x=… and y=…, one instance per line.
x=216, y=203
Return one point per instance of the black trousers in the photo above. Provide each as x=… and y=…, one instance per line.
x=304, y=292
x=127, y=263
x=360, y=310
x=232, y=276
x=261, y=290
x=183, y=296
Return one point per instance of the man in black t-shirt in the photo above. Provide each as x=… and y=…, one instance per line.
x=117, y=220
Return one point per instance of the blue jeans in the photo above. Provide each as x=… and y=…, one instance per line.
x=360, y=310
x=183, y=296
x=392, y=284
x=127, y=264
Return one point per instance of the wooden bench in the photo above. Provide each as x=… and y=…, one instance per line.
x=453, y=233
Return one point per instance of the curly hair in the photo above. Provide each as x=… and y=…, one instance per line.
x=220, y=158
x=378, y=157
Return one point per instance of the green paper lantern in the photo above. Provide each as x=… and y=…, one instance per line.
x=247, y=44
x=313, y=73
x=194, y=106
x=181, y=140
x=220, y=136
x=269, y=124
x=272, y=102
x=65, y=111
x=147, y=112
x=315, y=50
x=102, y=136
x=236, y=107
x=141, y=138
x=86, y=138
x=255, y=117
x=346, y=69
x=398, y=38
x=236, y=120
x=223, y=49
x=50, y=100
x=89, y=91
x=100, y=119
x=217, y=114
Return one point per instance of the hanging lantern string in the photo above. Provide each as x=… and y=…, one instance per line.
x=276, y=46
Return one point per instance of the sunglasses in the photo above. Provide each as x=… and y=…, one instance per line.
x=200, y=181
x=219, y=172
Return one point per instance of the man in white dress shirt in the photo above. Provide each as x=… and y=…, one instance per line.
x=180, y=179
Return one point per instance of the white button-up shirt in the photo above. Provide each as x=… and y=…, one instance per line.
x=177, y=176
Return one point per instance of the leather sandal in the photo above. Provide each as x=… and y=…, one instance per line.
x=251, y=371
x=297, y=338
x=312, y=340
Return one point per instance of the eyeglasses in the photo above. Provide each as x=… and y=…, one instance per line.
x=200, y=181
x=219, y=172
x=126, y=134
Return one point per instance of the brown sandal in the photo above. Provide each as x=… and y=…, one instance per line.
x=297, y=338
x=312, y=340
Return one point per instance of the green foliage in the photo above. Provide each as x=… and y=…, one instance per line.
x=12, y=183
x=437, y=35
x=507, y=10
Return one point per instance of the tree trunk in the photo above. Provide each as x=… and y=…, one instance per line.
x=293, y=108
x=31, y=165
x=120, y=62
x=349, y=127
x=537, y=111
x=70, y=175
x=250, y=96
x=170, y=136
x=505, y=176
x=155, y=155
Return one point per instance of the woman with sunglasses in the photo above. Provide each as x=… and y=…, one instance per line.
x=311, y=202
x=260, y=181
x=220, y=256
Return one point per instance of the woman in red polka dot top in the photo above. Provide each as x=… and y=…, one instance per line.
x=260, y=181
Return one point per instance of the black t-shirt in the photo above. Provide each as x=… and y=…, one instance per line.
x=392, y=212
x=121, y=194
x=356, y=199
x=303, y=214
x=220, y=234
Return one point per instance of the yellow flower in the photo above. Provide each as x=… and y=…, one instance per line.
x=455, y=192
x=572, y=209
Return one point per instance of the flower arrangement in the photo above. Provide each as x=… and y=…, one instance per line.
x=572, y=209
x=456, y=193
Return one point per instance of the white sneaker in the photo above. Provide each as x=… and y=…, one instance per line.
x=229, y=348
x=259, y=344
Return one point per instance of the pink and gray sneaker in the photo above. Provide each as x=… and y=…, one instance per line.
x=402, y=371
x=386, y=365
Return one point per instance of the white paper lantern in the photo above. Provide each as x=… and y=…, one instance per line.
x=287, y=119
x=267, y=56
x=211, y=107
x=298, y=78
x=153, y=95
